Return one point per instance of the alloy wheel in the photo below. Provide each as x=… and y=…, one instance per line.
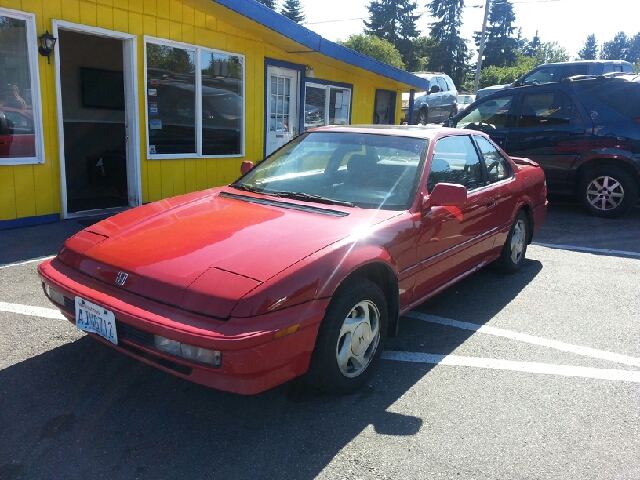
x=358, y=339
x=605, y=193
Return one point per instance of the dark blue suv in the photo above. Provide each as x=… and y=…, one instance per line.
x=583, y=131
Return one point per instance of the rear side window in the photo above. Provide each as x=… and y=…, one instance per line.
x=497, y=166
x=455, y=160
x=622, y=96
x=571, y=70
x=547, y=108
x=442, y=84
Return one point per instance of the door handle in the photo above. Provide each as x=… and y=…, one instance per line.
x=491, y=204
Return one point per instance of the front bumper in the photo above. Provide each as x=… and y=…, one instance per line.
x=253, y=359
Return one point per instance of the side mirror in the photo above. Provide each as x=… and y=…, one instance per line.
x=434, y=89
x=446, y=195
x=245, y=167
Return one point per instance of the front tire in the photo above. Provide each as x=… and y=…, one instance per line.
x=423, y=116
x=607, y=191
x=350, y=339
x=514, y=249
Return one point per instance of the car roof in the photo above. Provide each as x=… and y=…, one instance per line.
x=416, y=131
x=582, y=62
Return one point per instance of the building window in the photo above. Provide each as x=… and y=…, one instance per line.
x=326, y=105
x=20, y=121
x=195, y=101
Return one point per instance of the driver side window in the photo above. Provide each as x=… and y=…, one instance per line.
x=493, y=112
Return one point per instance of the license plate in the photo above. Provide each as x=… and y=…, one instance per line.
x=96, y=319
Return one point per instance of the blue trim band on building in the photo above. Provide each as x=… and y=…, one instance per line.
x=282, y=25
x=29, y=221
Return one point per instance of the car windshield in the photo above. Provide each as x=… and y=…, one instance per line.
x=344, y=168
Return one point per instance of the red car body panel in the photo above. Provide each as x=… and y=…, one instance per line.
x=217, y=270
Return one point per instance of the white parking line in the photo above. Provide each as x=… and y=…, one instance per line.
x=31, y=311
x=573, y=248
x=527, y=367
x=25, y=262
x=455, y=360
x=523, y=337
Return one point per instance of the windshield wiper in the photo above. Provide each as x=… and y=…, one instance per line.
x=308, y=197
x=246, y=188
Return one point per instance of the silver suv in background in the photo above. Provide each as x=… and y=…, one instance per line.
x=436, y=104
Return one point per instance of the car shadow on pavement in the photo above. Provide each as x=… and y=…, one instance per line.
x=84, y=410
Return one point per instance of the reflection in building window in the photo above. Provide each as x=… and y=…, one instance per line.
x=18, y=115
x=182, y=80
x=326, y=105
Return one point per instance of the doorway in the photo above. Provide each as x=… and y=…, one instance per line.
x=282, y=107
x=96, y=107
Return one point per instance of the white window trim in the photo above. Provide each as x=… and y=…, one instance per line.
x=36, y=101
x=327, y=99
x=198, y=76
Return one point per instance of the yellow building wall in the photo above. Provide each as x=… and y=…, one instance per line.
x=35, y=190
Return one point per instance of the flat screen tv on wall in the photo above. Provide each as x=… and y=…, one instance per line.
x=102, y=88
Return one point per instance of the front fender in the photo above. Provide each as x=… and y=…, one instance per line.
x=315, y=277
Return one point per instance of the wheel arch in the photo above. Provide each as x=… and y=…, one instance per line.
x=384, y=277
x=528, y=211
x=604, y=161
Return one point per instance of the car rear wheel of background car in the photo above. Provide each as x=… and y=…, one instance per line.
x=607, y=191
x=351, y=338
x=515, y=248
x=423, y=116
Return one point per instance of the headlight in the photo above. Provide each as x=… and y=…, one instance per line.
x=188, y=352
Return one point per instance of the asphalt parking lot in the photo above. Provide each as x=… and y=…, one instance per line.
x=534, y=375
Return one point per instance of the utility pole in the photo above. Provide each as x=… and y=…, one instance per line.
x=481, y=49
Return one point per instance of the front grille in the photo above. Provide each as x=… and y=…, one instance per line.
x=133, y=335
x=69, y=305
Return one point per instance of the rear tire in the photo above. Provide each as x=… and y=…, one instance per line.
x=514, y=249
x=607, y=191
x=350, y=339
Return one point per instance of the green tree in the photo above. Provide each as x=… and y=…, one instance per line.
x=269, y=3
x=633, y=52
x=500, y=45
x=423, y=50
x=451, y=54
x=292, y=9
x=375, y=47
x=551, y=52
x=529, y=49
x=395, y=22
x=502, y=75
x=174, y=60
x=589, y=50
x=615, y=49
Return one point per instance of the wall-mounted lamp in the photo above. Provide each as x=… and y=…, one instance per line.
x=47, y=42
x=309, y=71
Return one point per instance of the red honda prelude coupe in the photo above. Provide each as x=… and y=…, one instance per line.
x=306, y=263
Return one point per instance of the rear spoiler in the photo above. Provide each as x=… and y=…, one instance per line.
x=524, y=161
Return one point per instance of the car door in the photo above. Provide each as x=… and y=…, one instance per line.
x=452, y=240
x=500, y=186
x=444, y=104
x=550, y=129
x=448, y=98
x=493, y=115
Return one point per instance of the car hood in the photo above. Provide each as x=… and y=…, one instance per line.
x=166, y=246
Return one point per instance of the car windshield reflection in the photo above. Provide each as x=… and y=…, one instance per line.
x=343, y=168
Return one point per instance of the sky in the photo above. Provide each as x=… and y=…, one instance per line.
x=567, y=22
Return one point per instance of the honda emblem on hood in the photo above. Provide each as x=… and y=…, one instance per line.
x=121, y=278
